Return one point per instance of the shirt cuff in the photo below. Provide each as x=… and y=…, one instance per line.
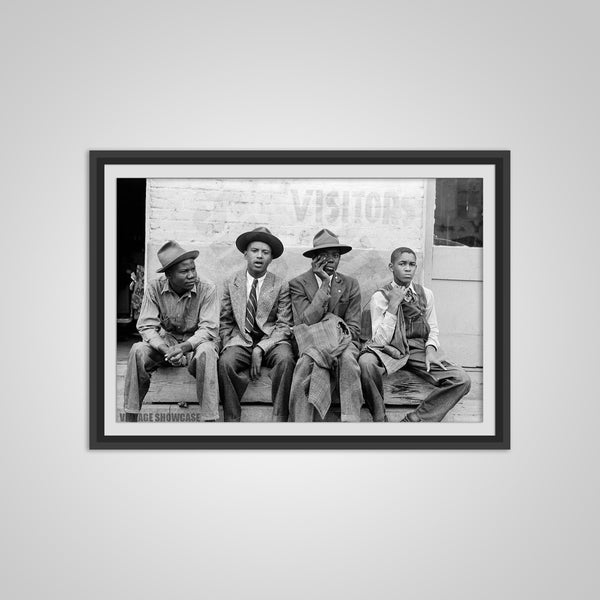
x=156, y=342
x=390, y=319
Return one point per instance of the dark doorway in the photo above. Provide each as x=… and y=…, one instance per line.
x=131, y=242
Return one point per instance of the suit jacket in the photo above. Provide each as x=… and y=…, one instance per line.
x=273, y=312
x=310, y=302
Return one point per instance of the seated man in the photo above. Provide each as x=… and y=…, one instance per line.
x=255, y=325
x=318, y=295
x=405, y=334
x=179, y=323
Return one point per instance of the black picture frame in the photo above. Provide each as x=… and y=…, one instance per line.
x=498, y=160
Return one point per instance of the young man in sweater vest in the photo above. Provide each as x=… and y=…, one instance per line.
x=405, y=335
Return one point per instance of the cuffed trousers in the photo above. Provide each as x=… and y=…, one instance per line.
x=143, y=360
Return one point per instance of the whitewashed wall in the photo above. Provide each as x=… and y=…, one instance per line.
x=373, y=216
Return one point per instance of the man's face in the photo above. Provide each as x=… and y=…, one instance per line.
x=258, y=256
x=330, y=260
x=404, y=268
x=182, y=276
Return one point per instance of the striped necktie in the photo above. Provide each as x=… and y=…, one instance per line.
x=251, y=308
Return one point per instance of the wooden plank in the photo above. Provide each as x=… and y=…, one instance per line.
x=174, y=385
x=403, y=392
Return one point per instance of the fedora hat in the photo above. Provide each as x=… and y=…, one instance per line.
x=260, y=234
x=325, y=240
x=172, y=253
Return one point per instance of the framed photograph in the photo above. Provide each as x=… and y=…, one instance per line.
x=299, y=299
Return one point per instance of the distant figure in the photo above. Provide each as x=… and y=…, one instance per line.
x=405, y=334
x=255, y=326
x=326, y=309
x=179, y=324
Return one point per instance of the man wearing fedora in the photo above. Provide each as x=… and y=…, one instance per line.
x=256, y=317
x=316, y=295
x=179, y=324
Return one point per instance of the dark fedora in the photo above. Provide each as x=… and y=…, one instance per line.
x=260, y=234
x=326, y=240
x=172, y=253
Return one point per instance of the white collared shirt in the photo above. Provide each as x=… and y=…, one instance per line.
x=320, y=281
x=383, y=323
x=250, y=281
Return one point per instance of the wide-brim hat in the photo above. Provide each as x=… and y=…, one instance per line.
x=172, y=253
x=325, y=240
x=260, y=234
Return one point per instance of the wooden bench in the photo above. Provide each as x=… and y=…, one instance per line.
x=171, y=386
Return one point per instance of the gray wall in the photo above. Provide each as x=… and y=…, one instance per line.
x=310, y=75
x=372, y=216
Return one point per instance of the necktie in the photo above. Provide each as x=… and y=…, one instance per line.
x=251, y=308
x=409, y=296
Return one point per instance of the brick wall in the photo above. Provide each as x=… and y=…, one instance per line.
x=373, y=216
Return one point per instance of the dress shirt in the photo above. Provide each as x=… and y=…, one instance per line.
x=320, y=281
x=191, y=317
x=250, y=281
x=383, y=323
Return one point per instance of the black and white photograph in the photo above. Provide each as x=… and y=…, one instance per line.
x=299, y=300
x=344, y=306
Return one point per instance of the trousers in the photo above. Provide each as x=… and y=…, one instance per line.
x=144, y=360
x=451, y=385
x=348, y=385
x=234, y=377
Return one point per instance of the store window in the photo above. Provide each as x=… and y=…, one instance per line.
x=458, y=212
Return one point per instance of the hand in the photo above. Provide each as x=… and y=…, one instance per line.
x=395, y=297
x=318, y=262
x=257, y=356
x=175, y=355
x=433, y=358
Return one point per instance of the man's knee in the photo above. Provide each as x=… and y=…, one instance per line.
x=464, y=380
x=204, y=357
x=460, y=378
x=284, y=356
x=140, y=349
x=348, y=360
x=304, y=361
x=143, y=353
x=227, y=361
x=368, y=364
x=205, y=350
